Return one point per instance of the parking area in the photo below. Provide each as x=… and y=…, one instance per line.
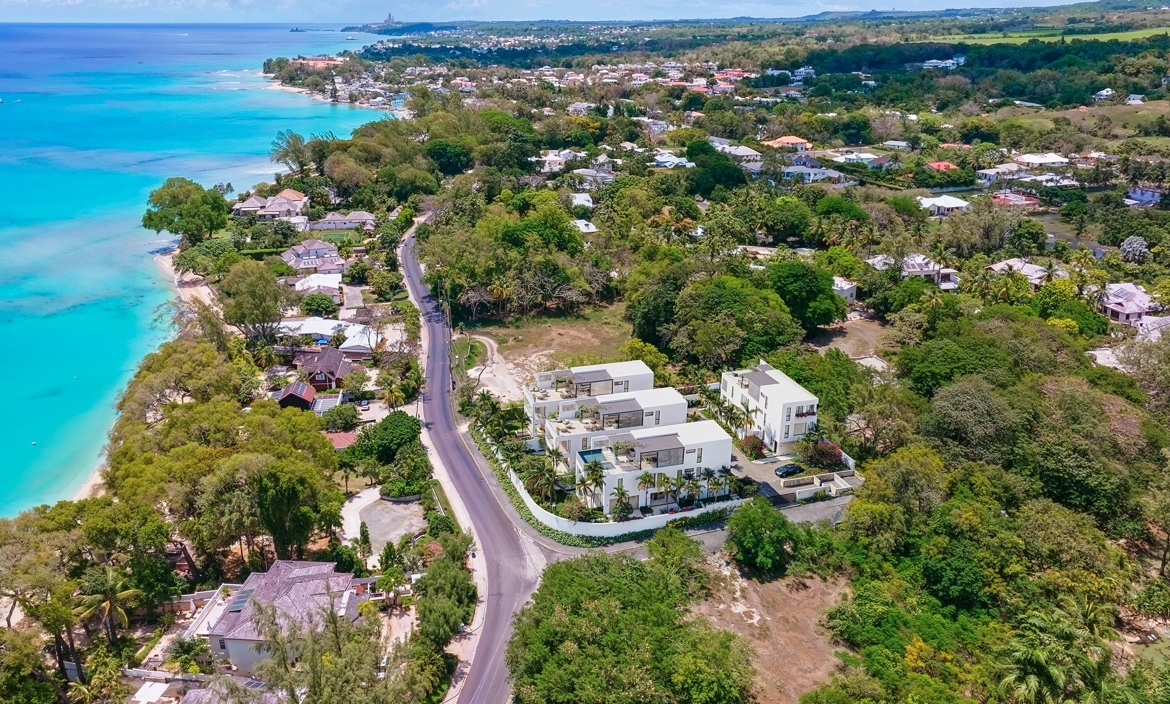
x=762, y=472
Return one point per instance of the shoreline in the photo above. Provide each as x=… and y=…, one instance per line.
x=274, y=84
x=187, y=288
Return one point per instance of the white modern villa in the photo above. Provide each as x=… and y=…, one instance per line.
x=781, y=410
x=559, y=391
x=574, y=429
x=648, y=462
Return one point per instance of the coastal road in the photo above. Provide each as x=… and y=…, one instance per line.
x=509, y=583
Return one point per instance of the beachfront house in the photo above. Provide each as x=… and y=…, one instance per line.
x=359, y=341
x=561, y=390
x=779, y=411
x=300, y=592
x=286, y=204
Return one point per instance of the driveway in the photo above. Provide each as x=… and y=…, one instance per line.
x=352, y=296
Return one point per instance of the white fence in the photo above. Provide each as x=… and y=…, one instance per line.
x=603, y=530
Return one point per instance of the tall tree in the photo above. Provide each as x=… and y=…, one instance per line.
x=184, y=208
x=252, y=301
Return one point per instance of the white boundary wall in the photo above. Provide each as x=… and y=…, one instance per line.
x=603, y=530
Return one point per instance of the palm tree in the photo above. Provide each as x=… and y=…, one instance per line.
x=709, y=478
x=931, y=299
x=619, y=495
x=395, y=397
x=593, y=478
x=693, y=488
x=554, y=453
x=289, y=148
x=104, y=594
x=647, y=481
x=542, y=481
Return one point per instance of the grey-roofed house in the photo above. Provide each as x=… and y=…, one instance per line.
x=314, y=256
x=300, y=592
x=325, y=369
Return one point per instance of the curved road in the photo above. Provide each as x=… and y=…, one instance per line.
x=508, y=586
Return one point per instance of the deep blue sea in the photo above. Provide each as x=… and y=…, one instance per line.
x=93, y=117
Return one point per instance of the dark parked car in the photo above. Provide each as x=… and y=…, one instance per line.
x=788, y=470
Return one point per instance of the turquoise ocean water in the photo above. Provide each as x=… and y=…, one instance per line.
x=93, y=117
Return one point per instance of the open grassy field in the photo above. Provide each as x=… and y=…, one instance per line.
x=1126, y=119
x=1046, y=34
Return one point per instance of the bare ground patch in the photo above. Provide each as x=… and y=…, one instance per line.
x=780, y=620
x=859, y=337
x=529, y=345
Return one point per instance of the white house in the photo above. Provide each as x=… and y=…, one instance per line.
x=328, y=284
x=314, y=256
x=558, y=391
x=1126, y=303
x=1047, y=159
x=584, y=226
x=576, y=425
x=1002, y=171
x=919, y=265
x=895, y=144
x=581, y=199
x=740, y=153
x=811, y=174
x=1036, y=275
x=668, y=160
x=942, y=206
x=641, y=460
x=1104, y=94
x=845, y=289
x=356, y=220
x=301, y=592
x=360, y=340
x=781, y=410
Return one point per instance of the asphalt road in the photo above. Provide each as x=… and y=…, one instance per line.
x=508, y=588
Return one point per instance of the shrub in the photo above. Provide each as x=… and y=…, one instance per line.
x=752, y=446
x=438, y=524
x=573, y=508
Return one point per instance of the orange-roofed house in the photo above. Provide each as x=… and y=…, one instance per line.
x=790, y=142
x=941, y=166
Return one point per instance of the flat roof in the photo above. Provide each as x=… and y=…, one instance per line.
x=699, y=431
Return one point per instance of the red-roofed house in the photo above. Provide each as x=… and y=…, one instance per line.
x=941, y=166
x=341, y=439
x=790, y=142
x=296, y=395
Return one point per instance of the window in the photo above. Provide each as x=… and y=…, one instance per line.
x=786, y=429
x=799, y=411
x=798, y=428
x=699, y=455
x=657, y=417
x=788, y=413
x=320, y=376
x=724, y=385
x=621, y=481
x=765, y=402
x=222, y=644
x=584, y=443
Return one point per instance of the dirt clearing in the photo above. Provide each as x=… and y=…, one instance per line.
x=859, y=337
x=780, y=620
x=535, y=344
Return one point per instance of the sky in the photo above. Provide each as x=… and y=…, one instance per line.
x=362, y=11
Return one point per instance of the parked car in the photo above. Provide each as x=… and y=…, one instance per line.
x=788, y=470
x=364, y=405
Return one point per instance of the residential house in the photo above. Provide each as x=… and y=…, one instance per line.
x=286, y=204
x=583, y=200
x=845, y=289
x=812, y=175
x=919, y=265
x=1014, y=200
x=1002, y=171
x=780, y=411
x=573, y=427
x=325, y=369
x=558, y=391
x=1126, y=303
x=584, y=226
x=896, y=144
x=941, y=166
x=740, y=153
x=942, y=206
x=670, y=452
x=580, y=109
x=1036, y=275
x=296, y=395
x=314, y=256
x=327, y=284
x=356, y=220
x=1104, y=95
x=669, y=160
x=947, y=64
x=1135, y=99
x=790, y=142
x=592, y=178
x=1047, y=160
x=360, y=340
x=804, y=73
x=886, y=163
x=300, y=593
